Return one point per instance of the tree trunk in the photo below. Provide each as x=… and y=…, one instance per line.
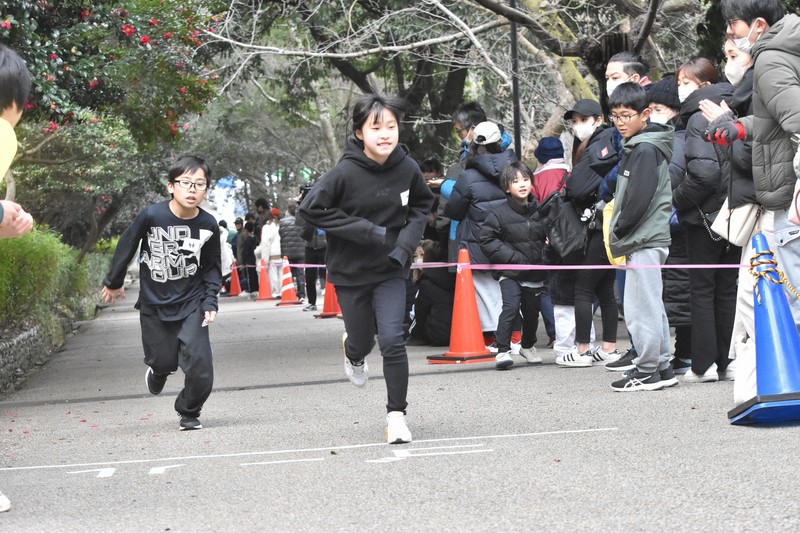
x=98, y=225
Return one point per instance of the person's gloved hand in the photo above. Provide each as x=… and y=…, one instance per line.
x=726, y=133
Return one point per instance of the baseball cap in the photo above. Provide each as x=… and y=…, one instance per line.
x=486, y=133
x=585, y=107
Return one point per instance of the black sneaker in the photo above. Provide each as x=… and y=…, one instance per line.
x=623, y=363
x=681, y=366
x=634, y=380
x=155, y=382
x=190, y=422
x=668, y=377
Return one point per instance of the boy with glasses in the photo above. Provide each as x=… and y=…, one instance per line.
x=640, y=231
x=180, y=280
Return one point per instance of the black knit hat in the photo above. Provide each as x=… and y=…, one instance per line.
x=665, y=92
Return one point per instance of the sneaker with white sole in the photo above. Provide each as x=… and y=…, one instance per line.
x=357, y=373
x=574, y=359
x=681, y=365
x=503, y=360
x=708, y=376
x=599, y=357
x=530, y=355
x=397, y=431
x=190, y=423
x=635, y=380
x=492, y=347
x=155, y=382
x=668, y=377
x=624, y=363
x=729, y=374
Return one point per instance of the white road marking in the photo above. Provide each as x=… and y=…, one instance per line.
x=282, y=462
x=159, y=470
x=399, y=455
x=307, y=450
x=102, y=472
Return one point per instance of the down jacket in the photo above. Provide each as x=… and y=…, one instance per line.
x=477, y=193
x=512, y=234
x=704, y=185
x=776, y=113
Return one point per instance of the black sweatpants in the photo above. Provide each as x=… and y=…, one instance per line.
x=383, y=303
x=595, y=282
x=185, y=344
x=517, y=298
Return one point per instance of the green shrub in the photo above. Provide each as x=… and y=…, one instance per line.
x=40, y=277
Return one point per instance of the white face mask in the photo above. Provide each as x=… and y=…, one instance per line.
x=583, y=131
x=743, y=43
x=613, y=84
x=659, y=119
x=418, y=260
x=685, y=90
x=734, y=72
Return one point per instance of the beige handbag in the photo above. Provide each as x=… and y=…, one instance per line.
x=736, y=225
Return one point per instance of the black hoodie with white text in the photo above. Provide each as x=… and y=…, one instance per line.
x=373, y=215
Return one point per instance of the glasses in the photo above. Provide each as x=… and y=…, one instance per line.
x=198, y=185
x=621, y=119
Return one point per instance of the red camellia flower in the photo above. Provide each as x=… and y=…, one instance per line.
x=182, y=90
x=144, y=40
x=153, y=22
x=29, y=105
x=6, y=24
x=167, y=35
x=128, y=30
x=93, y=83
x=85, y=14
x=53, y=56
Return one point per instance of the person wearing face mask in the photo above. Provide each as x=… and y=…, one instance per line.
x=698, y=199
x=665, y=109
x=594, y=156
x=624, y=67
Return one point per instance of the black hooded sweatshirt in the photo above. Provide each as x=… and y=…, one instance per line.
x=373, y=215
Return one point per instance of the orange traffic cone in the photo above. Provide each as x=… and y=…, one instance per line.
x=264, y=290
x=236, y=287
x=288, y=294
x=330, y=307
x=466, y=337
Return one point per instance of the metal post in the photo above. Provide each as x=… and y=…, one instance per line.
x=515, y=84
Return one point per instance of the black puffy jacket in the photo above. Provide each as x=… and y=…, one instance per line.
x=704, y=186
x=476, y=194
x=512, y=234
x=433, y=307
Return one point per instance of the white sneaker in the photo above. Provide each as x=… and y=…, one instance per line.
x=531, y=356
x=729, y=374
x=5, y=503
x=357, y=374
x=574, y=359
x=503, y=360
x=397, y=431
x=709, y=375
x=599, y=357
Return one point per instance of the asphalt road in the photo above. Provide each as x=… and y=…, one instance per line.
x=290, y=445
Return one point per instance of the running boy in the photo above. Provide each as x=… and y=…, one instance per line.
x=180, y=280
x=373, y=206
x=640, y=230
x=513, y=234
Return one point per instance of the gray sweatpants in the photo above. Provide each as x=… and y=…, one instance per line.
x=645, y=316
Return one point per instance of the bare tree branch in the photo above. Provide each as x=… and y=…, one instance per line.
x=644, y=33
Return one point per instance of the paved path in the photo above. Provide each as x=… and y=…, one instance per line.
x=290, y=445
